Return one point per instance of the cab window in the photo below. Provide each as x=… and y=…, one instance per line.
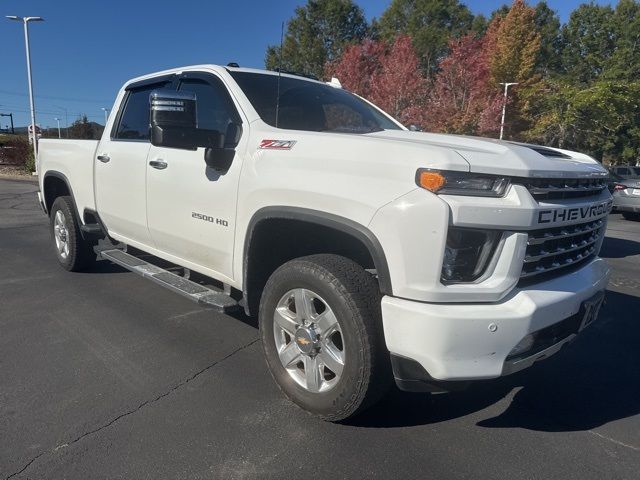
x=216, y=110
x=134, y=120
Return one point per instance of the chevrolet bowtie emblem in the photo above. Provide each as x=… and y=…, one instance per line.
x=303, y=341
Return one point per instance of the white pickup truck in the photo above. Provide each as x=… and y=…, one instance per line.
x=368, y=252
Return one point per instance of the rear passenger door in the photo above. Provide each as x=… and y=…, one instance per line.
x=121, y=167
x=191, y=207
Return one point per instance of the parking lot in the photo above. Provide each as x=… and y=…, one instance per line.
x=106, y=375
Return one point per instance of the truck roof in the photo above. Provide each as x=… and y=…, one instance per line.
x=211, y=66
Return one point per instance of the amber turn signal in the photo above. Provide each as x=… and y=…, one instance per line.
x=432, y=181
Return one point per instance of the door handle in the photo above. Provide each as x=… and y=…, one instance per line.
x=159, y=164
x=104, y=158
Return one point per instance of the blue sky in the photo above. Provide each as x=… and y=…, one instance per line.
x=85, y=50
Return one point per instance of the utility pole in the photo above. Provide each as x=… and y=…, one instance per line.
x=58, y=120
x=504, y=104
x=25, y=22
x=10, y=115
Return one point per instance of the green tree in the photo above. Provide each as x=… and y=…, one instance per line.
x=499, y=12
x=81, y=128
x=548, y=25
x=429, y=23
x=602, y=120
x=317, y=34
x=479, y=25
x=624, y=63
x=588, y=42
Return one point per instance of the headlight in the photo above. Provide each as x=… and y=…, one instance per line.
x=467, y=254
x=462, y=183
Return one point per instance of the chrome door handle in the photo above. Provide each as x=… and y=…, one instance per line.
x=159, y=164
x=104, y=158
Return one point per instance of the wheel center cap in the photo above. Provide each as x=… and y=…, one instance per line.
x=306, y=340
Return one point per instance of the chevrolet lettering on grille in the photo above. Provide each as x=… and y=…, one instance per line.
x=575, y=213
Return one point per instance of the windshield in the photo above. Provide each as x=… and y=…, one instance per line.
x=310, y=106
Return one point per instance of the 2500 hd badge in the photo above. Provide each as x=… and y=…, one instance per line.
x=576, y=213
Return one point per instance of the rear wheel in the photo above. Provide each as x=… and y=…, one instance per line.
x=73, y=252
x=321, y=331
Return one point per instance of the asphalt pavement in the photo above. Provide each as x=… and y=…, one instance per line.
x=106, y=375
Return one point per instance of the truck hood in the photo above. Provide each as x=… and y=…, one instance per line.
x=498, y=157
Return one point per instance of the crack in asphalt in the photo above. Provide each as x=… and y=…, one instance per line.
x=613, y=440
x=136, y=409
x=553, y=419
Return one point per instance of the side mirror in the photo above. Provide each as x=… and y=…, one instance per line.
x=220, y=159
x=173, y=122
x=414, y=128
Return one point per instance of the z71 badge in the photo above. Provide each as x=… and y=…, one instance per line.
x=277, y=144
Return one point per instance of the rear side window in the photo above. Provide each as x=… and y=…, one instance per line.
x=622, y=171
x=134, y=121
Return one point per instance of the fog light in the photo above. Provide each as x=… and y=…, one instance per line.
x=467, y=254
x=523, y=346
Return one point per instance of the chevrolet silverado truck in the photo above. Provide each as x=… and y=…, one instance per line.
x=369, y=253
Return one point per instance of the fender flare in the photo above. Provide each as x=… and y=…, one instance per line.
x=65, y=180
x=345, y=225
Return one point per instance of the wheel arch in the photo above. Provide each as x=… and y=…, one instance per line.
x=56, y=184
x=337, y=235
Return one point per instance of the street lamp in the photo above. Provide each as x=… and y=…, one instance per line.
x=25, y=21
x=106, y=115
x=58, y=120
x=504, y=104
x=66, y=118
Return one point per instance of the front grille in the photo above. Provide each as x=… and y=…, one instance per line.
x=560, y=188
x=553, y=249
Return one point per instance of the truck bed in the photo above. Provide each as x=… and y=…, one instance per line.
x=74, y=159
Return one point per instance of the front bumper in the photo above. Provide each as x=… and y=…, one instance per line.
x=457, y=342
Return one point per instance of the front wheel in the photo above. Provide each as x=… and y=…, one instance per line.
x=321, y=330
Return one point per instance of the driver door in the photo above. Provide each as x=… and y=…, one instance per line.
x=191, y=207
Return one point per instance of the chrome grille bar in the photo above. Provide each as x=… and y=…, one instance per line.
x=559, y=250
x=559, y=188
x=570, y=231
x=552, y=249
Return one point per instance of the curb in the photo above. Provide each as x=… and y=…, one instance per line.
x=20, y=178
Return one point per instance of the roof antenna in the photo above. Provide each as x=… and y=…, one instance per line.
x=279, y=73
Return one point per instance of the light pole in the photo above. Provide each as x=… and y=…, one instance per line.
x=58, y=120
x=106, y=115
x=504, y=104
x=66, y=118
x=25, y=22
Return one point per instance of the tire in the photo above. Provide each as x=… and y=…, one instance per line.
x=332, y=288
x=72, y=251
x=631, y=216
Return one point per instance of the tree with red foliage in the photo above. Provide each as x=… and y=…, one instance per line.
x=463, y=98
x=386, y=75
x=357, y=66
x=398, y=86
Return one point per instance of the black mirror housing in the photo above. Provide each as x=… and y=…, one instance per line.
x=173, y=109
x=219, y=159
x=173, y=119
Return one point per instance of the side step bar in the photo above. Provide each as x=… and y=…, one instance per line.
x=205, y=296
